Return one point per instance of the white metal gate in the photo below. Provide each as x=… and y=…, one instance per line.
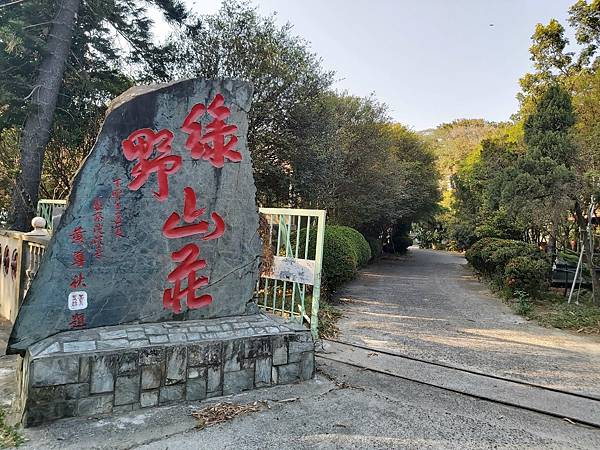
x=291, y=284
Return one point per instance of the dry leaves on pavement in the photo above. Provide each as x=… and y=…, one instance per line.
x=224, y=411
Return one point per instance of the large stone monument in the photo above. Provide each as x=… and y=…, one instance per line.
x=144, y=296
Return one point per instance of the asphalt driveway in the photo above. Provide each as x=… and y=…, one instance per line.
x=429, y=305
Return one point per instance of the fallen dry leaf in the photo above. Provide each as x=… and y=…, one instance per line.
x=225, y=411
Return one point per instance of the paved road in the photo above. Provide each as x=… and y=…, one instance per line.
x=342, y=408
x=425, y=304
x=428, y=304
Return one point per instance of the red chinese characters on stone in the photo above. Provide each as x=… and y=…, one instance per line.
x=190, y=262
x=189, y=256
x=77, y=236
x=214, y=142
x=78, y=258
x=77, y=281
x=140, y=146
x=77, y=239
x=77, y=321
x=174, y=229
x=211, y=146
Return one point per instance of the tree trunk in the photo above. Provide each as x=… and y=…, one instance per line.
x=552, y=240
x=588, y=250
x=36, y=131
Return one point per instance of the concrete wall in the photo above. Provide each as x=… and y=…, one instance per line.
x=11, y=273
x=20, y=257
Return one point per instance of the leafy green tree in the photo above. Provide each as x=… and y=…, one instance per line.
x=538, y=187
x=415, y=181
x=453, y=142
x=478, y=207
x=367, y=172
x=66, y=57
x=288, y=84
x=547, y=131
x=38, y=124
x=585, y=18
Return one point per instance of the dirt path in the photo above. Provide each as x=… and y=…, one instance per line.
x=428, y=304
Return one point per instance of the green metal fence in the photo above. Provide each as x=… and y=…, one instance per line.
x=292, y=285
x=47, y=208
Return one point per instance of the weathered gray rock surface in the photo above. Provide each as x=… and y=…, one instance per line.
x=110, y=242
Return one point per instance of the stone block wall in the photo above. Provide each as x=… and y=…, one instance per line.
x=73, y=380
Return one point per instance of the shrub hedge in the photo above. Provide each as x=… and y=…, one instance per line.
x=376, y=246
x=360, y=244
x=526, y=274
x=401, y=243
x=510, y=264
x=344, y=250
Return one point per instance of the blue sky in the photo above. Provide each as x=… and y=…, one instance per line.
x=431, y=61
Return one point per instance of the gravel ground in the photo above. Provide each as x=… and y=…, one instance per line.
x=429, y=305
x=372, y=411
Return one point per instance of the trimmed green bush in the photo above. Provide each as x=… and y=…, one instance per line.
x=462, y=236
x=360, y=244
x=490, y=255
x=477, y=254
x=526, y=274
x=510, y=264
x=344, y=250
x=340, y=258
x=376, y=246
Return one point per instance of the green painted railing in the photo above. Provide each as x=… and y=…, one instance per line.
x=47, y=208
x=294, y=293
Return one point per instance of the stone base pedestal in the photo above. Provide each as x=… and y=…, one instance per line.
x=126, y=367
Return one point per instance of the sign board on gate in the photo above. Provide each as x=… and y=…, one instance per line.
x=292, y=269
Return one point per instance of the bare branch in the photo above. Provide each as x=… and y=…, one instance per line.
x=16, y=2
x=36, y=25
x=35, y=88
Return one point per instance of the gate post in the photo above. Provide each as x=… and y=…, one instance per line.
x=314, y=321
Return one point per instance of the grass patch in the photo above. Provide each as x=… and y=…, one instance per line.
x=9, y=437
x=554, y=311
x=328, y=317
x=551, y=309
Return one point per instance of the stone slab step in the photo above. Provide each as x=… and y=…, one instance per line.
x=569, y=406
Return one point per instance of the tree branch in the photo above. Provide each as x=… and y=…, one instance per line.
x=36, y=24
x=16, y=2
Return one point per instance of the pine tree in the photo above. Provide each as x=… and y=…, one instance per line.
x=547, y=130
x=550, y=146
x=61, y=62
